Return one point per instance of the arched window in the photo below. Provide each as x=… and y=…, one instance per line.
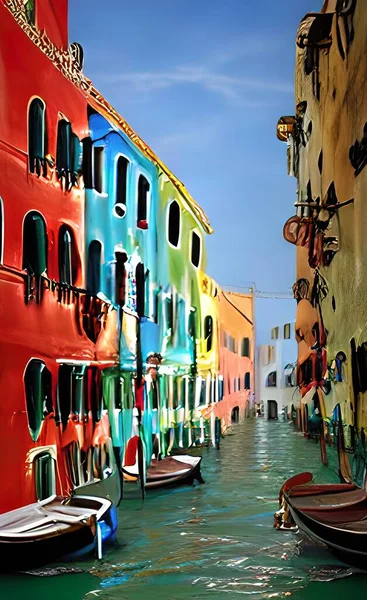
x=195, y=249
x=68, y=262
x=208, y=332
x=174, y=223
x=69, y=154
x=37, y=136
x=98, y=166
x=34, y=244
x=271, y=380
x=94, y=267
x=143, y=191
x=121, y=187
x=30, y=11
x=45, y=475
x=38, y=393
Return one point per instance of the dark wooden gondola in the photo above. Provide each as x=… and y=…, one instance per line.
x=173, y=470
x=45, y=531
x=334, y=514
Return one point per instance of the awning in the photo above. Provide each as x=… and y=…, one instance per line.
x=315, y=30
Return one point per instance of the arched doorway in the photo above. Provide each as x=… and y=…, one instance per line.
x=272, y=410
x=235, y=417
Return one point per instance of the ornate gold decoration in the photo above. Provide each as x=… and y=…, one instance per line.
x=68, y=66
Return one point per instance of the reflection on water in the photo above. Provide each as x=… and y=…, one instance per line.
x=213, y=538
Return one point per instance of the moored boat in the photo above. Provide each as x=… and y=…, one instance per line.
x=51, y=529
x=172, y=470
x=334, y=514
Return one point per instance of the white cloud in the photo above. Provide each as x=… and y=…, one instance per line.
x=233, y=88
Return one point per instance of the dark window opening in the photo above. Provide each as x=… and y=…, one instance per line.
x=169, y=314
x=174, y=217
x=30, y=12
x=203, y=392
x=44, y=473
x=38, y=392
x=208, y=332
x=87, y=162
x=98, y=163
x=37, y=137
x=69, y=154
x=63, y=150
x=235, y=416
x=121, y=187
x=195, y=249
x=65, y=392
x=143, y=190
x=271, y=380
x=96, y=398
x=79, y=400
x=68, y=260
x=247, y=381
x=287, y=331
x=94, y=267
x=245, y=347
x=34, y=244
x=140, y=289
x=72, y=455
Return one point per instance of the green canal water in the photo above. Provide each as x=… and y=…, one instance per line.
x=212, y=540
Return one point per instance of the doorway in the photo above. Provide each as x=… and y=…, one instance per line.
x=272, y=410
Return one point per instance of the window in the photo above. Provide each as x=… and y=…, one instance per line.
x=229, y=342
x=174, y=218
x=34, y=244
x=169, y=314
x=247, y=381
x=143, y=191
x=287, y=331
x=290, y=379
x=275, y=333
x=68, y=268
x=45, y=477
x=30, y=12
x=245, y=347
x=38, y=393
x=98, y=163
x=271, y=380
x=87, y=162
x=94, y=267
x=37, y=137
x=140, y=289
x=208, y=332
x=121, y=187
x=64, y=392
x=195, y=249
x=79, y=401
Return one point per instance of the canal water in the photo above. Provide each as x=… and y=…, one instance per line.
x=212, y=540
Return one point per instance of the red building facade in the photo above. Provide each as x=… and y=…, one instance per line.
x=54, y=433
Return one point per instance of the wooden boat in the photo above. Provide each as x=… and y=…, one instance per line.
x=334, y=514
x=173, y=470
x=51, y=529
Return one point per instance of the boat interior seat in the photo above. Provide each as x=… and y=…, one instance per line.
x=329, y=502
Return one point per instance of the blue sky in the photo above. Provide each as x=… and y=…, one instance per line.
x=204, y=83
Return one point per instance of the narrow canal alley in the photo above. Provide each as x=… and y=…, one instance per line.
x=213, y=539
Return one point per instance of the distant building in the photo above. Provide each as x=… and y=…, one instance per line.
x=277, y=391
